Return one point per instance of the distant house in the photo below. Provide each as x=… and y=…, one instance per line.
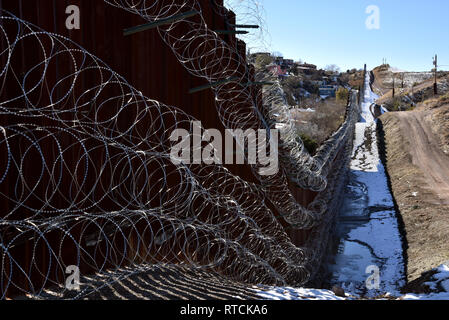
x=284, y=63
x=327, y=91
x=319, y=83
x=306, y=68
x=289, y=62
x=276, y=70
x=279, y=60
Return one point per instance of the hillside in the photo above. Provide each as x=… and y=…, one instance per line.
x=317, y=115
x=417, y=156
x=385, y=75
x=411, y=88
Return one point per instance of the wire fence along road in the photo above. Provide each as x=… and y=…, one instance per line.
x=86, y=178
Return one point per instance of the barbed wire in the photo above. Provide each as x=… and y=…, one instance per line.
x=204, y=54
x=87, y=180
x=251, y=13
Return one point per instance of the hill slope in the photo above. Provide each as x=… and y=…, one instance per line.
x=418, y=164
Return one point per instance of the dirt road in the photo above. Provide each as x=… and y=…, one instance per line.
x=426, y=153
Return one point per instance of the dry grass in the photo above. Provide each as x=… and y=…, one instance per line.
x=438, y=114
x=439, y=117
x=321, y=124
x=441, y=128
x=425, y=221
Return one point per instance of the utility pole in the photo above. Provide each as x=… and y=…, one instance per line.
x=364, y=83
x=435, y=63
x=393, y=84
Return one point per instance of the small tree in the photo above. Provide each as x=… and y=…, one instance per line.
x=262, y=61
x=310, y=144
x=332, y=68
x=342, y=94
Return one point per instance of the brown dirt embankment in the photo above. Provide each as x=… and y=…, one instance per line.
x=419, y=171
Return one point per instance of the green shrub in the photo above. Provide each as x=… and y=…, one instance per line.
x=396, y=104
x=262, y=61
x=310, y=144
x=342, y=94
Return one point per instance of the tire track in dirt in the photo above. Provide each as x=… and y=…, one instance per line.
x=426, y=153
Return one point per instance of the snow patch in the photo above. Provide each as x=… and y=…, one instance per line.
x=396, y=70
x=288, y=293
x=376, y=240
x=440, y=282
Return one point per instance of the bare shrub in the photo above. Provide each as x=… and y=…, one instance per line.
x=321, y=124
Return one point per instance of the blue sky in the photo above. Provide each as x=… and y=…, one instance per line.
x=334, y=32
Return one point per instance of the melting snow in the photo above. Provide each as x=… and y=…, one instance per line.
x=440, y=282
x=287, y=293
x=376, y=240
